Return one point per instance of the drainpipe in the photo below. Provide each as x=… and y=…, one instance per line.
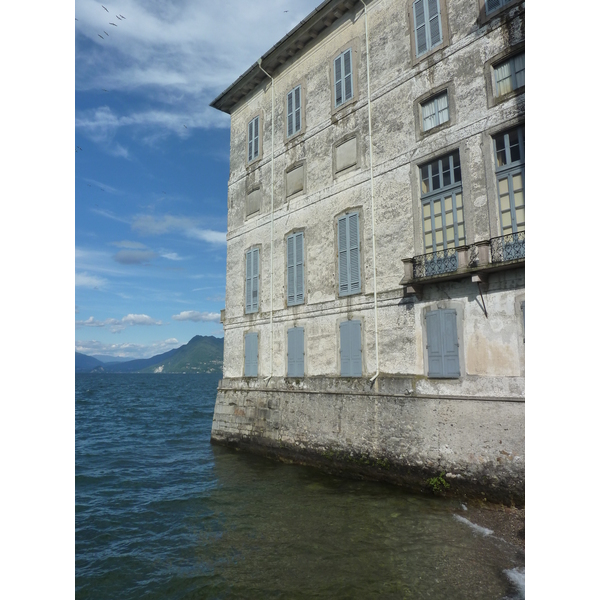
x=372, y=380
x=267, y=379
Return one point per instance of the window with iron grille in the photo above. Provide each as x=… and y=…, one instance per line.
x=509, y=149
x=442, y=203
x=509, y=75
x=435, y=111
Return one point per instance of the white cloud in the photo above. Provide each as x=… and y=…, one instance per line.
x=151, y=225
x=126, y=350
x=140, y=320
x=130, y=245
x=82, y=279
x=172, y=256
x=207, y=235
x=194, y=315
x=114, y=325
x=180, y=54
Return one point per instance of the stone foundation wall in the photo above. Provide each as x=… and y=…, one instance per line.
x=390, y=433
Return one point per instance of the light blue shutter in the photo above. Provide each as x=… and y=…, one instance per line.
x=420, y=29
x=338, y=80
x=353, y=248
x=295, y=268
x=347, y=75
x=349, y=254
x=251, y=354
x=492, y=5
x=350, y=349
x=290, y=113
x=250, y=139
x=435, y=31
x=434, y=343
x=255, y=274
x=255, y=137
x=442, y=343
x=297, y=101
x=296, y=352
x=450, y=343
x=249, y=281
x=343, y=255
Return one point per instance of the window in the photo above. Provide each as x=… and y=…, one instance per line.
x=349, y=254
x=442, y=208
x=295, y=366
x=251, y=354
x=442, y=343
x=342, y=67
x=295, y=268
x=493, y=5
x=509, y=75
x=252, y=275
x=294, y=117
x=350, y=349
x=509, y=148
x=435, y=111
x=428, y=28
x=253, y=134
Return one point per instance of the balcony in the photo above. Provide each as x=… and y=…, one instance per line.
x=473, y=261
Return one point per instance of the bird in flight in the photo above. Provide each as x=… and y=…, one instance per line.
x=104, y=7
x=106, y=33
x=104, y=90
x=112, y=24
x=118, y=17
x=100, y=36
x=122, y=16
x=185, y=126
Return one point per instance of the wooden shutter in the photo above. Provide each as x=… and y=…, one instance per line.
x=251, y=354
x=252, y=280
x=295, y=268
x=435, y=30
x=450, y=343
x=349, y=254
x=442, y=343
x=290, y=113
x=420, y=29
x=337, y=68
x=296, y=352
x=255, y=137
x=492, y=5
x=250, y=139
x=350, y=349
x=347, y=75
x=297, y=106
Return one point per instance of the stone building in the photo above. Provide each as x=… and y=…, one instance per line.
x=375, y=297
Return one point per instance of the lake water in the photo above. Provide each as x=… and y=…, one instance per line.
x=160, y=513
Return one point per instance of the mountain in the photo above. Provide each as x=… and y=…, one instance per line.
x=104, y=358
x=84, y=363
x=202, y=354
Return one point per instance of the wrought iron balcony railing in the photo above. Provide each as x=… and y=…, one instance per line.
x=508, y=247
x=435, y=263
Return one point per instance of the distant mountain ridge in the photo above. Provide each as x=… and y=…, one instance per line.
x=202, y=354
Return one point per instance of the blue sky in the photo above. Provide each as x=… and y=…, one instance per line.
x=152, y=164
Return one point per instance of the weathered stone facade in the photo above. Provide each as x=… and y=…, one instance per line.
x=403, y=423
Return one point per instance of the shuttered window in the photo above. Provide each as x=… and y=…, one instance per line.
x=509, y=75
x=492, y=5
x=442, y=343
x=251, y=354
x=428, y=27
x=295, y=268
x=342, y=67
x=252, y=280
x=296, y=352
x=349, y=254
x=253, y=139
x=294, y=117
x=350, y=349
x=435, y=111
